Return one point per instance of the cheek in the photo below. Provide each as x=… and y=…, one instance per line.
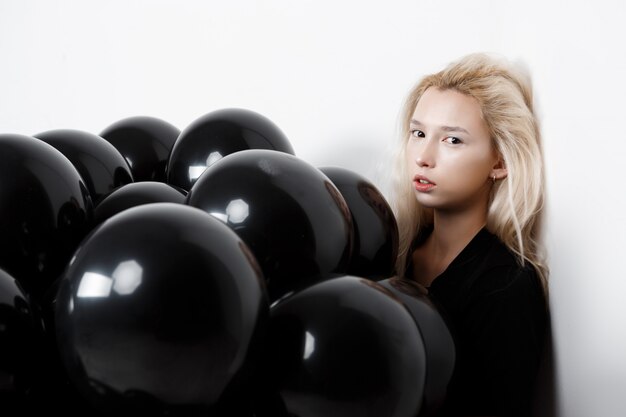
x=470, y=168
x=409, y=153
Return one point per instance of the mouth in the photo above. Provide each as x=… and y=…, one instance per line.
x=420, y=179
x=423, y=184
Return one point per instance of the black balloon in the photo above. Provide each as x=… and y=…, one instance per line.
x=291, y=216
x=145, y=142
x=346, y=347
x=438, y=341
x=375, y=229
x=100, y=165
x=32, y=380
x=217, y=134
x=20, y=337
x=161, y=313
x=136, y=194
x=45, y=211
x=54, y=394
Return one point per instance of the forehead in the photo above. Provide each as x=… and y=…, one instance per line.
x=449, y=108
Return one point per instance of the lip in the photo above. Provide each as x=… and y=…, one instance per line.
x=422, y=187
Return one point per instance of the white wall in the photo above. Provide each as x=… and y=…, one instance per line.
x=332, y=75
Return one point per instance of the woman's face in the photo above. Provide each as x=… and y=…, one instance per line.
x=450, y=156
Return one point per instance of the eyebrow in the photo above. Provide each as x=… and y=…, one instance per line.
x=445, y=128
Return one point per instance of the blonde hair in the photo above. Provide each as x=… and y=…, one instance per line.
x=504, y=94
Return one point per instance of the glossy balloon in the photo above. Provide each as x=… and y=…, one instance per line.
x=20, y=336
x=290, y=214
x=346, y=347
x=45, y=211
x=217, y=134
x=145, y=142
x=438, y=341
x=32, y=378
x=162, y=312
x=53, y=393
x=99, y=164
x=375, y=229
x=136, y=194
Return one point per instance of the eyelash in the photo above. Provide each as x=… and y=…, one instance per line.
x=453, y=137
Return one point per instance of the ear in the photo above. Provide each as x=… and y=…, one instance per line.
x=499, y=170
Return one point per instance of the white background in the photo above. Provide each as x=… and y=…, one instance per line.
x=332, y=75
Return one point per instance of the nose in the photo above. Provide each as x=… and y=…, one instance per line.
x=425, y=153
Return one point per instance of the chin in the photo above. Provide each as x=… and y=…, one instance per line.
x=426, y=202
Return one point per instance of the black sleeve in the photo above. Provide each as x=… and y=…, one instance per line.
x=499, y=343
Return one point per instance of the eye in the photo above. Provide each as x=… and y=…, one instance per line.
x=417, y=133
x=453, y=140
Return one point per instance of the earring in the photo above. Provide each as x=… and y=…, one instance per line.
x=494, y=178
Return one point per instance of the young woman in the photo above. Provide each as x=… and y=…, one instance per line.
x=469, y=191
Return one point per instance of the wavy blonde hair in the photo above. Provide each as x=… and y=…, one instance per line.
x=505, y=97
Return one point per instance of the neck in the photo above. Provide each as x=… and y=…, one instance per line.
x=452, y=231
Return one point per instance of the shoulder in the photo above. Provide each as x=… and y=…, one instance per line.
x=487, y=280
x=505, y=296
x=502, y=275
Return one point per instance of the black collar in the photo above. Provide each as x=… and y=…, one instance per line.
x=479, y=242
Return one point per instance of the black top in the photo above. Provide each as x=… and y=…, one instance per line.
x=497, y=314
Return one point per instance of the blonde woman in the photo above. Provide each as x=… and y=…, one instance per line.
x=468, y=193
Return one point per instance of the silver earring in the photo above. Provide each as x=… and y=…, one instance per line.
x=494, y=178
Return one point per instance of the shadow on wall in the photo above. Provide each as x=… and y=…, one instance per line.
x=545, y=402
x=361, y=156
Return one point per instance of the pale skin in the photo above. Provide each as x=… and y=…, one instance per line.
x=449, y=145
